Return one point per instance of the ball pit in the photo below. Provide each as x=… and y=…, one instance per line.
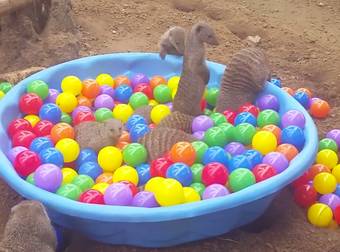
x=121, y=224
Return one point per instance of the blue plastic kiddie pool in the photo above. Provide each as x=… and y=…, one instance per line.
x=150, y=227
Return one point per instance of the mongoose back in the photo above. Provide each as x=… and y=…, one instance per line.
x=172, y=42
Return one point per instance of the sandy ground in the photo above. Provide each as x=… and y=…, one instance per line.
x=301, y=38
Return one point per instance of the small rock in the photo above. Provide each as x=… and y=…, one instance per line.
x=321, y=4
x=187, y=5
x=114, y=32
x=254, y=39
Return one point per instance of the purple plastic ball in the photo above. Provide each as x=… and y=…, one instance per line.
x=293, y=117
x=202, y=123
x=13, y=153
x=144, y=199
x=235, y=148
x=170, y=105
x=139, y=78
x=118, y=194
x=215, y=190
x=52, y=95
x=268, y=101
x=48, y=177
x=198, y=135
x=80, y=109
x=104, y=101
x=105, y=89
x=335, y=135
x=332, y=200
x=277, y=160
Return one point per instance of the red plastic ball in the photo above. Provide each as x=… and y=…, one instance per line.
x=263, y=172
x=26, y=162
x=23, y=138
x=17, y=125
x=30, y=103
x=203, y=104
x=336, y=214
x=152, y=126
x=214, y=173
x=159, y=167
x=248, y=107
x=144, y=88
x=84, y=116
x=43, y=128
x=305, y=195
x=302, y=180
x=131, y=186
x=230, y=115
x=92, y=197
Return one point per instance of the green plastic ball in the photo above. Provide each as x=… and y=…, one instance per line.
x=200, y=148
x=211, y=96
x=229, y=131
x=218, y=118
x=328, y=143
x=267, y=117
x=138, y=99
x=162, y=93
x=30, y=179
x=38, y=87
x=135, y=154
x=69, y=191
x=241, y=178
x=244, y=133
x=84, y=182
x=198, y=187
x=5, y=87
x=103, y=114
x=215, y=136
x=207, y=112
x=196, y=170
x=66, y=118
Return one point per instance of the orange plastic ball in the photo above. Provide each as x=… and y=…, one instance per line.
x=319, y=108
x=91, y=89
x=124, y=137
x=157, y=80
x=306, y=90
x=61, y=131
x=288, y=150
x=288, y=90
x=105, y=177
x=120, y=80
x=275, y=130
x=83, y=101
x=183, y=152
x=316, y=169
x=121, y=145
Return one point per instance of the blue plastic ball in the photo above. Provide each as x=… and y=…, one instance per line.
x=50, y=112
x=91, y=169
x=52, y=156
x=134, y=120
x=144, y=175
x=293, y=135
x=216, y=154
x=276, y=82
x=239, y=161
x=245, y=117
x=302, y=98
x=181, y=172
x=137, y=131
x=123, y=93
x=40, y=143
x=337, y=190
x=254, y=157
x=86, y=155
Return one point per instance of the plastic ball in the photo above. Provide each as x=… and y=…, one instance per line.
x=105, y=79
x=181, y=172
x=302, y=98
x=245, y=117
x=159, y=167
x=273, y=129
x=263, y=172
x=50, y=112
x=32, y=119
x=119, y=80
x=134, y=120
x=211, y=96
x=276, y=82
x=103, y=114
x=335, y=135
x=215, y=136
x=13, y=153
x=190, y=195
x=288, y=150
x=5, y=87
x=277, y=160
x=48, y=177
x=23, y=138
x=229, y=131
x=157, y=80
x=40, y=143
x=267, y=117
x=316, y=169
x=235, y=148
x=43, y=128
x=199, y=135
x=26, y=162
x=244, y=133
x=138, y=131
x=305, y=195
x=216, y=154
x=145, y=89
x=214, y=191
x=123, y=93
x=173, y=82
x=248, y=107
x=66, y=118
x=153, y=184
x=230, y=115
x=61, y=131
x=105, y=177
x=200, y=148
x=268, y=101
x=79, y=109
x=68, y=175
x=302, y=180
x=91, y=169
x=293, y=135
x=38, y=87
x=104, y=101
x=30, y=103
x=214, y=173
x=324, y=183
x=52, y=95
x=332, y=200
x=138, y=99
x=162, y=93
x=198, y=187
x=51, y=156
x=196, y=170
x=101, y=187
x=69, y=148
x=86, y=155
x=169, y=193
x=122, y=112
x=84, y=182
x=183, y=152
x=319, y=215
x=92, y=197
x=218, y=118
x=253, y=156
x=327, y=157
x=118, y=194
x=144, y=175
x=91, y=89
x=144, y=199
x=69, y=191
x=135, y=154
x=328, y=143
x=153, y=103
x=306, y=90
x=336, y=173
x=139, y=78
x=108, y=90
x=125, y=173
x=71, y=84
x=202, y=123
x=264, y=142
x=30, y=179
x=289, y=90
x=240, y=179
x=110, y=158
x=159, y=112
x=293, y=117
x=17, y=125
x=84, y=116
x=239, y=161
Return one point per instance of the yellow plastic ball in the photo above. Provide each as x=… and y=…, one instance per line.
x=190, y=195
x=67, y=102
x=68, y=175
x=153, y=102
x=33, y=119
x=336, y=172
x=125, y=173
x=320, y=215
x=101, y=187
x=327, y=157
x=159, y=112
x=110, y=158
x=264, y=142
x=122, y=112
x=71, y=84
x=105, y=79
x=173, y=82
x=324, y=183
x=2, y=94
x=69, y=148
x=153, y=183
x=169, y=193
x=173, y=93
